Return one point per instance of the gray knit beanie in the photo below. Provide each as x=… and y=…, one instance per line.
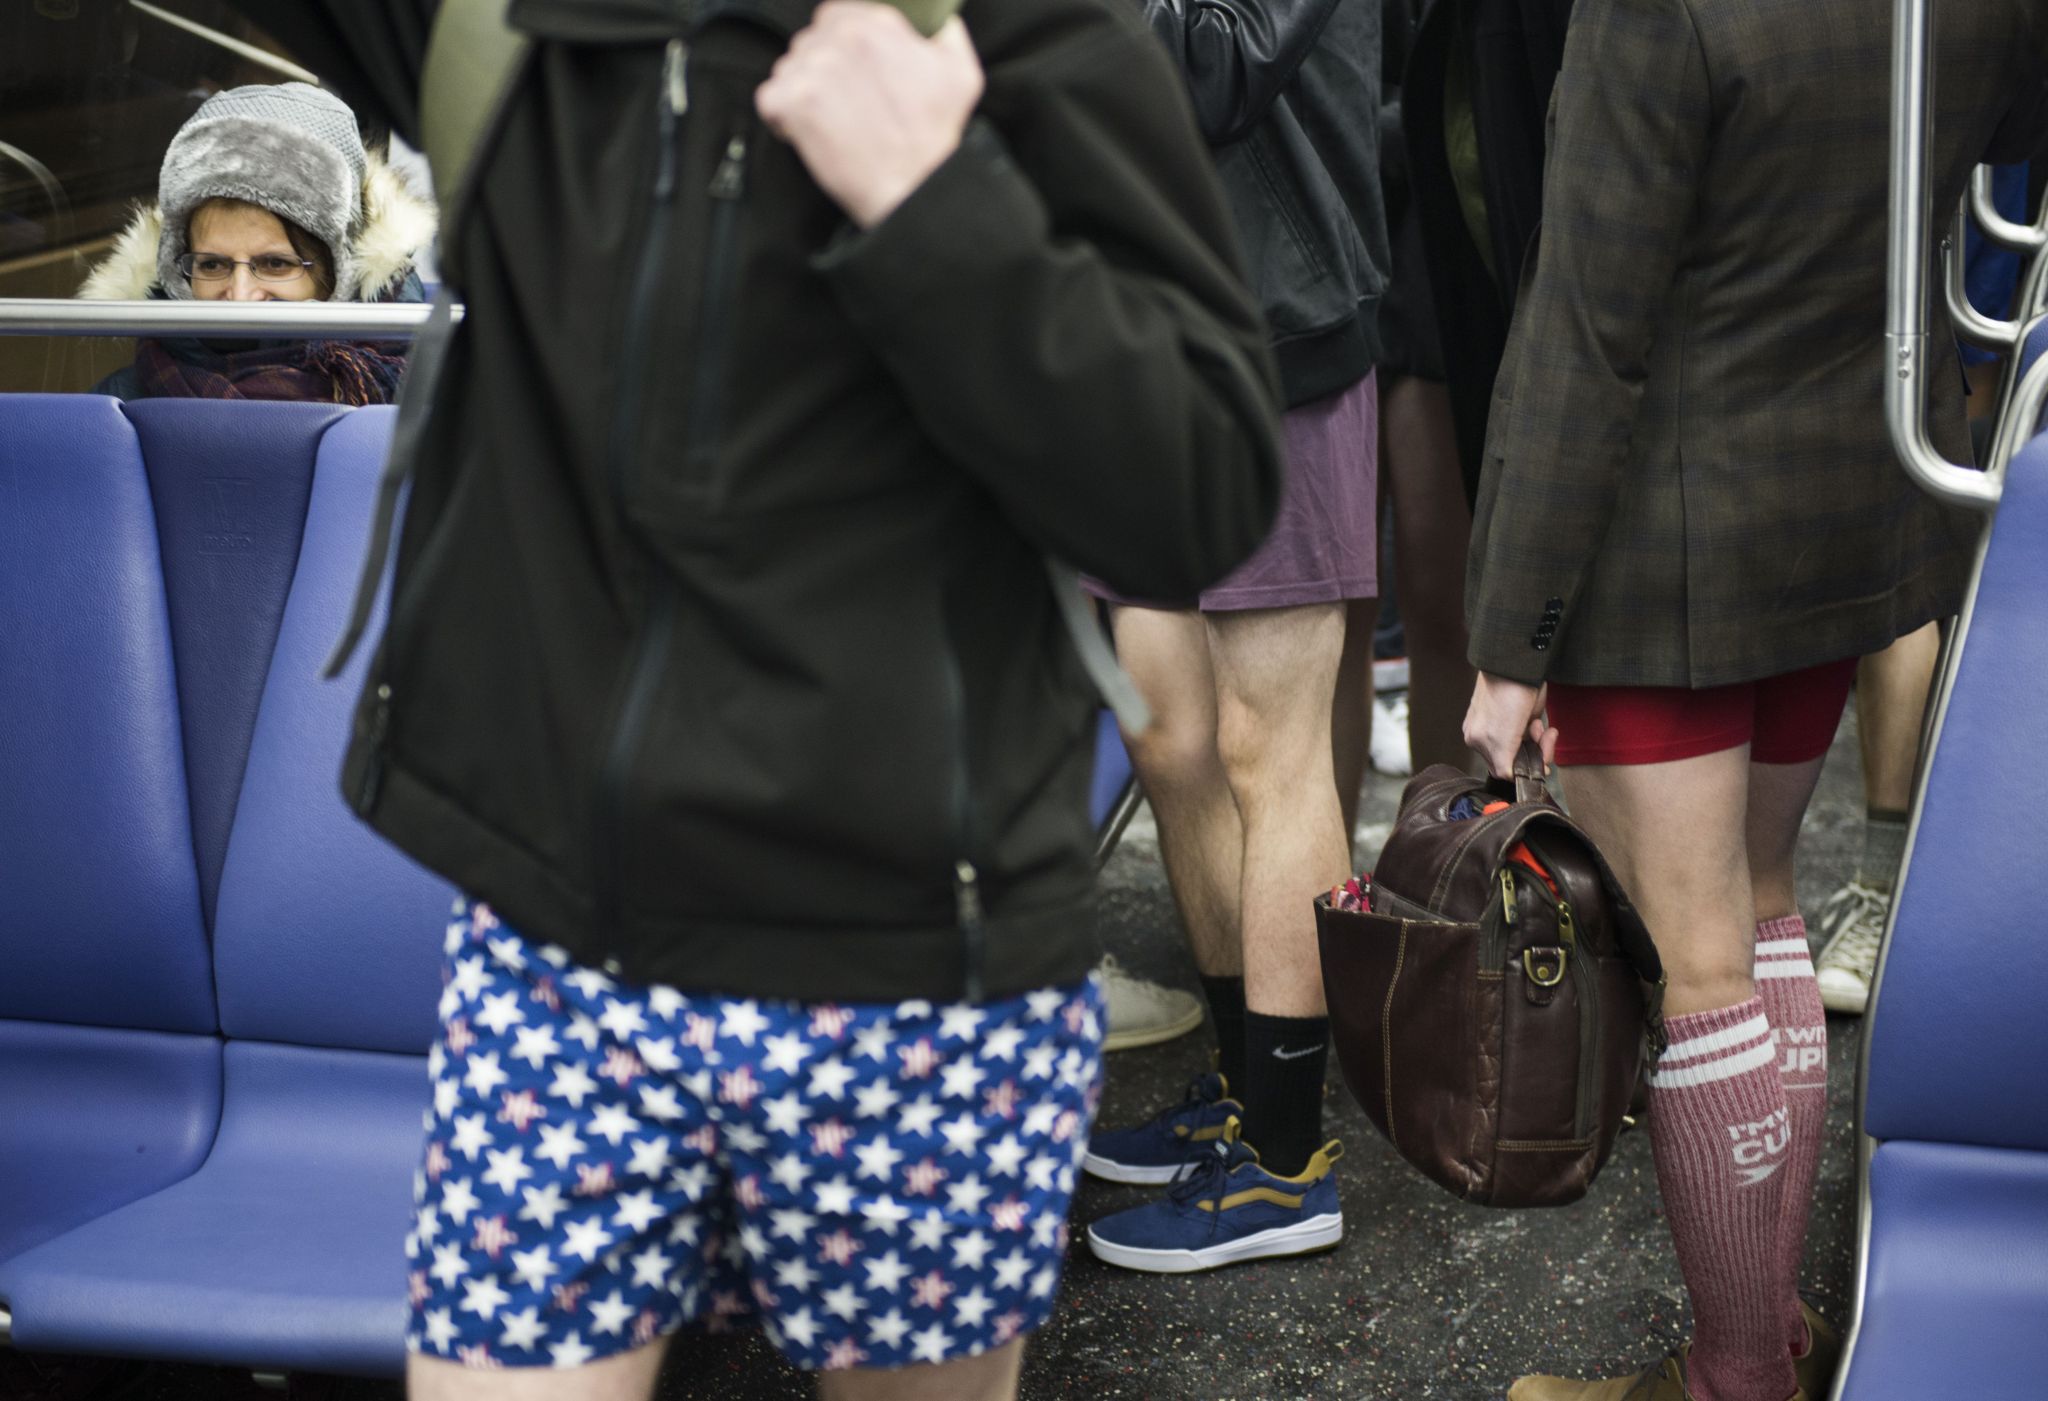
x=286, y=147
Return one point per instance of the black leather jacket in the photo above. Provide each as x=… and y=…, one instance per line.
x=1288, y=94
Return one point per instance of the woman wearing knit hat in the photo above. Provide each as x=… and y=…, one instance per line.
x=267, y=194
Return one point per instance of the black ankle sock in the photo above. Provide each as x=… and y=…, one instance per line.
x=1283, y=1089
x=1226, y=1009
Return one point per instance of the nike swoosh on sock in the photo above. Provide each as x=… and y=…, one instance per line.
x=1279, y=1054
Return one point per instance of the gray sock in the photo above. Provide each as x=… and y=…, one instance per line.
x=1884, y=846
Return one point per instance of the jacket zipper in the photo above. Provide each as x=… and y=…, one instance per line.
x=652, y=645
x=967, y=902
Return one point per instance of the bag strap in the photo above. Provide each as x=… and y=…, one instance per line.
x=473, y=58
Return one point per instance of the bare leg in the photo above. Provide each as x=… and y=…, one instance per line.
x=1351, y=709
x=992, y=1376
x=627, y=1376
x=1276, y=674
x=1891, y=703
x=1778, y=795
x=1432, y=523
x=1201, y=839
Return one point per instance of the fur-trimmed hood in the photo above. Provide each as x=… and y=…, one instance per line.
x=396, y=227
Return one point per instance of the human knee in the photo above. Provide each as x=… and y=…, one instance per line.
x=1702, y=979
x=1177, y=748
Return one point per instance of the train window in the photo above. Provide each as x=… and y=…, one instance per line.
x=91, y=92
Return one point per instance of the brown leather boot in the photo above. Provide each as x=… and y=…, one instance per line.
x=1663, y=1382
x=1816, y=1370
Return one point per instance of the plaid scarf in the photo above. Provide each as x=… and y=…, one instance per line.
x=326, y=372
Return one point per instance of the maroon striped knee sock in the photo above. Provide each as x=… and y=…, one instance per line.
x=1719, y=1134
x=1799, y=1025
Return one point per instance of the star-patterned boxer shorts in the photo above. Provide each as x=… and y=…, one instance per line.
x=874, y=1184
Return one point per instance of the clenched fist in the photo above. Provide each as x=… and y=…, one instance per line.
x=871, y=106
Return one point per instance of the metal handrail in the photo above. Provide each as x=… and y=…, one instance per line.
x=1905, y=399
x=1984, y=332
x=2021, y=238
x=2020, y=418
x=62, y=316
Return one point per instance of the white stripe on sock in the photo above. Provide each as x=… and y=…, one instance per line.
x=1785, y=968
x=1708, y=1072
x=1756, y=1028
x=1773, y=947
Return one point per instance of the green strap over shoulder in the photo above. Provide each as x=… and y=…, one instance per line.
x=473, y=55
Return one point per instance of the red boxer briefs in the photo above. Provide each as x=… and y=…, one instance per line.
x=1789, y=719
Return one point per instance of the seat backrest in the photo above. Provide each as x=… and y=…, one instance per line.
x=230, y=481
x=100, y=919
x=325, y=935
x=1957, y=1052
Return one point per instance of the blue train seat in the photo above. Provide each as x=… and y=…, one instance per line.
x=281, y=1248
x=112, y=1065
x=1112, y=771
x=1955, y=1284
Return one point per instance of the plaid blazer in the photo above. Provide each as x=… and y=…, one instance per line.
x=1688, y=480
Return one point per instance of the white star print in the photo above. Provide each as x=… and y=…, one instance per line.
x=742, y=1022
x=458, y=1199
x=572, y=1082
x=447, y=1094
x=960, y=1079
x=637, y=1211
x=785, y=1113
x=928, y=1232
x=970, y=1308
x=795, y=1274
x=1039, y=1172
x=500, y=1012
x=916, y=1121
x=1011, y=1269
x=659, y=1103
x=437, y=1060
x=582, y=1028
x=448, y=1265
x=884, y=1215
x=962, y=1134
x=691, y=1181
x=930, y=1344
x=589, y=982
x=1038, y=1063
x=585, y=1239
x=873, y=1100
x=658, y=1055
x=915, y=1010
x=610, y=1314
x=441, y=1329
x=570, y=1352
x=470, y=1136
x=888, y=1330
x=1044, y=1004
x=543, y=1204
x=1045, y=1229
x=878, y=1158
x=742, y=1139
x=485, y=1075
x=684, y=1230
x=872, y=1042
x=1006, y=1156
x=1073, y=1068
x=887, y=1273
x=665, y=1001
x=960, y=1021
x=523, y=1329
x=790, y=1224
x=622, y=1019
x=533, y=1268
x=752, y=1241
x=835, y=1198
x=612, y=1123
x=800, y=1328
x=554, y=955
x=784, y=1053
x=1046, y=1281
x=967, y=1195
x=469, y=978
x=428, y=1225
x=506, y=951
x=508, y=1169
x=1040, y=1118
x=843, y=1302
x=534, y=1044
x=483, y=1297
x=971, y=1249
x=788, y=1171
x=449, y=1005
x=830, y=1079
x=558, y=1144
x=650, y=1157
x=1002, y=1043
x=651, y=1267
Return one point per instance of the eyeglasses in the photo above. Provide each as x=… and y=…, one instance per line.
x=266, y=267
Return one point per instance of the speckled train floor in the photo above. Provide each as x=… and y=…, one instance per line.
x=1426, y=1300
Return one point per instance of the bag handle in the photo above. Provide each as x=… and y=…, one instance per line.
x=1530, y=783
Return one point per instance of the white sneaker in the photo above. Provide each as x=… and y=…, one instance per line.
x=1390, y=735
x=1142, y=1013
x=1853, y=921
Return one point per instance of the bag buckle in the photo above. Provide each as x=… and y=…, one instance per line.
x=1544, y=964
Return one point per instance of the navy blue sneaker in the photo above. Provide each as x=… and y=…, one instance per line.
x=1162, y=1148
x=1228, y=1209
